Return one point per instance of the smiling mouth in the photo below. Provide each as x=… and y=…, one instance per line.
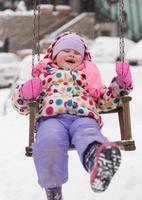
x=70, y=61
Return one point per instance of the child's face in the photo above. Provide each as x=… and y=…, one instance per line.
x=68, y=58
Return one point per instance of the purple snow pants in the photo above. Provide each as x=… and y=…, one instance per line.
x=50, y=150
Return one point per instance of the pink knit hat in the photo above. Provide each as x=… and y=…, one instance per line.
x=70, y=41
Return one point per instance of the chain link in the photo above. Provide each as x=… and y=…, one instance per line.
x=121, y=30
x=36, y=29
x=38, y=32
x=34, y=36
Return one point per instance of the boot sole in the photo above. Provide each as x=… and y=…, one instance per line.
x=107, y=162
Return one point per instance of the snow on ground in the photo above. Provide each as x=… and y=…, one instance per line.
x=106, y=49
x=134, y=53
x=17, y=172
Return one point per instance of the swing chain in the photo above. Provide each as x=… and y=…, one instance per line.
x=36, y=38
x=38, y=32
x=121, y=30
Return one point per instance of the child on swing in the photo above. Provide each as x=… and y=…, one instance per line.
x=70, y=94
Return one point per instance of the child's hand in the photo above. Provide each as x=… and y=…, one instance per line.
x=31, y=89
x=124, y=77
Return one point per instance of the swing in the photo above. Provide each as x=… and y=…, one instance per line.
x=123, y=111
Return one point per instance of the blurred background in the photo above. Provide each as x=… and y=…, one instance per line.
x=21, y=40
x=97, y=21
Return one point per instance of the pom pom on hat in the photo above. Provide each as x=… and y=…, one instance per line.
x=70, y=41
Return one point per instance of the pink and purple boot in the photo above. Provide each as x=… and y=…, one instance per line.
x=102, y=161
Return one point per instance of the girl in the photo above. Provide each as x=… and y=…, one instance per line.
x=70, y=94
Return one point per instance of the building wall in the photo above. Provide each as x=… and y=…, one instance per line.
x=19, y=28
x=132, y=14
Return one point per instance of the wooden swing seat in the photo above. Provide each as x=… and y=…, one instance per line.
x=126, y=143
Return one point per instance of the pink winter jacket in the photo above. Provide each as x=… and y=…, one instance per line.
x=66, y=91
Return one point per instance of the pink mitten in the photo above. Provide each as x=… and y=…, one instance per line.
x=124, y=77
x=31, y=89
